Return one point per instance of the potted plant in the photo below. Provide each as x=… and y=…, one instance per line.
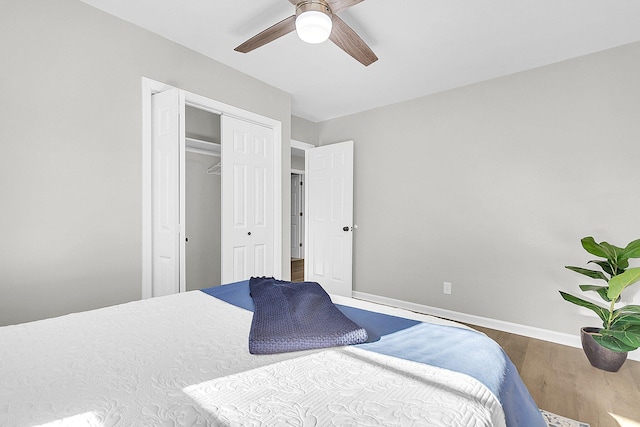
x=607, y=347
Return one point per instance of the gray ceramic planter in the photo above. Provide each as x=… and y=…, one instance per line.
x=600, y=357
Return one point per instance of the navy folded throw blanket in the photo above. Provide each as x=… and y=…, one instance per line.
x=291, y=316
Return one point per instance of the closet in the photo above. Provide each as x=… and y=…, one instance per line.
x=203, y=198
x=225, y=226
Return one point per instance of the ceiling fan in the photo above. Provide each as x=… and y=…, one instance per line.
x=316, y=21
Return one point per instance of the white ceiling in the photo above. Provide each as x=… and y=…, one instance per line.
x=423, y=46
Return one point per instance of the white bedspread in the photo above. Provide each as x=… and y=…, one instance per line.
x=183, y=360
x=348, y=386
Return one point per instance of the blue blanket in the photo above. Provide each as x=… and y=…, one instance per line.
x=297, y=316
x=457, y=349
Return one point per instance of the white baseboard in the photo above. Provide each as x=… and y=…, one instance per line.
x=500, y=325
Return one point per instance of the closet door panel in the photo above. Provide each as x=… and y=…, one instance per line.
x=239, y=263
x=165, y=193
x=247, y=188
x=262, y=238
x=240, y=196
x=259, y=197
x=260, y=261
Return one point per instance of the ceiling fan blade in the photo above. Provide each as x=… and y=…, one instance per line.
x=270, y=34
x=347, y=39
x=340, y=5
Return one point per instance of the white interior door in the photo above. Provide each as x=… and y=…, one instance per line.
x=167, y=146
x=248, y=203
x=329, y=210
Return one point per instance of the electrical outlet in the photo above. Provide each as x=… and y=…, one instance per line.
x=447, y=288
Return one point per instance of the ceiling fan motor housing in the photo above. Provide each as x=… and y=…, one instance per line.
x=313, y=5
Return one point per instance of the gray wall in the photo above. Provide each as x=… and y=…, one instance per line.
x=297, y=162
x=201, y=124
x=203, y=203
x=304, y=130
x=203, y=222
x=491, y=186
x=70, y=151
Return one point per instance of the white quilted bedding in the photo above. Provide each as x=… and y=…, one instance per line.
x=183, y=360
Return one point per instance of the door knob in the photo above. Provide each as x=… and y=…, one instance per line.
x=249, y=233
x=345, y=228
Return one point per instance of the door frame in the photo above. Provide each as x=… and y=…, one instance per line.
x=302, y=146
x=149, y=87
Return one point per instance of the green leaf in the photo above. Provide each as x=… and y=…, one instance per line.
x=618, y=283
x=628, y=309
x=623, y=263
x=629, y=336
x=632, y=250
x=617, y=258
x=605, y=266
x=625, y=320
x=590, y=245
x=612, y=343
x=589, y=273
x=613, y=252
x=601, y=290
x=624, y=316
x=602, y=313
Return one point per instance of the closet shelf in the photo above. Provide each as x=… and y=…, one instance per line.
x=202, y=147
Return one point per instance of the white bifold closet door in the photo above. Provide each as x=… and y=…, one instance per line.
x=247, y=200
x=168, y=150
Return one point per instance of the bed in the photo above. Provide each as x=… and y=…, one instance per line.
x=183, y=360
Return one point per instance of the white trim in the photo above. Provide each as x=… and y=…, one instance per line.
x=297, y=171
x=182, y=182
x=301, y=145
x=149, y=87
x=277, y=200
x=202, y=147
x=500, y=325
x=298, y=148
x=147, y=91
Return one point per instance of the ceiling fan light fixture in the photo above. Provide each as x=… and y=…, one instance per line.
x=313, y=21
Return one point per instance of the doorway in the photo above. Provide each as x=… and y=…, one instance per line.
x=298, y=214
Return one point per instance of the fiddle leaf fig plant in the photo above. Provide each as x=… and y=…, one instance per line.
x=620, y=326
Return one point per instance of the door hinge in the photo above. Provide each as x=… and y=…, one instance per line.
x=300, y=244
x=300, y=182
x=300, y=213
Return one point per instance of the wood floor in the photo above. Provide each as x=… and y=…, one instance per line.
x=297, y=270
x=562, y=381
